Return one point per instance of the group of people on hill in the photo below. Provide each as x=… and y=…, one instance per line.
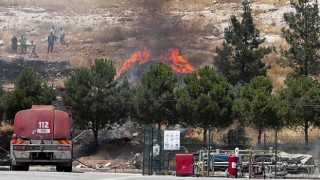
x=52, y=38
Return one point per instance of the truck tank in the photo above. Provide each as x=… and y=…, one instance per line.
x=42, y=137
x=42, y=122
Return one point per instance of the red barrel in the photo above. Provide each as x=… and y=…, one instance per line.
x=232, y=165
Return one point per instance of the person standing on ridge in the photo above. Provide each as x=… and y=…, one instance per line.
x=14, y=44
x=62, y=35
x=33, y=51
x=51, y=39
x=23, y=43
x=53, y=31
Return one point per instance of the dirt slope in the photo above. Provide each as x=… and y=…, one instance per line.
x=116, y=29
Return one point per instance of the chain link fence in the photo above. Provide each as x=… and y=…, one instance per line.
x=290, y=147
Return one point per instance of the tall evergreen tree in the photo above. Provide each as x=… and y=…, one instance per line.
x=13, y=102
x=34, y=87
x=29, y=90
x=303, y=36
x=1, y=99
x=30, y=83
x=239, y=58
x=301, y=98
x=255, y=106
x=125, y=100
x=92, y=94
x=206, y=100
x=154, y=101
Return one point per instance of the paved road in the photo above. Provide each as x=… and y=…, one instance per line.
x=49, y=173
x=34, y=175
x=37, y=175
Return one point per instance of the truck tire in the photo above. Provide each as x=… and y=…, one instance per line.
x=14, y=168
x=25, y=167
x=19, y=167
x=67, y=168
x=303, y=171
x=59, y=168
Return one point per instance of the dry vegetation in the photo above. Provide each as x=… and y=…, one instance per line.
x=85, y=5
x=115, y=38
x=74, y=5
x=109, y=35
x=120, y=34
x=268, y=29
x=286, y=136
x=6, y=127
x=191, y=4
x=279, y=2
x=6, y=131
x=77, y=62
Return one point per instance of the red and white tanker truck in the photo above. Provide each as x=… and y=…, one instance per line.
x=42, y=136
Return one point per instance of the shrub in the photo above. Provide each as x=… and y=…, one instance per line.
x=236, y=138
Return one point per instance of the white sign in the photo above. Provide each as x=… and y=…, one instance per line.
x=156, y=150
x=171, y=140
x=43, y=127
x=43, y=131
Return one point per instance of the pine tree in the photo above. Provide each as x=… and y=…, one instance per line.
x=303, y=36
x=91, y=91
x=239, y=58
x=205, y=101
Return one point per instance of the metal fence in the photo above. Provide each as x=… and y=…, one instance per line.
x=164, y=161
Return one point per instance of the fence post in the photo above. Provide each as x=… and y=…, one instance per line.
x=276, y=151
x=264, y=139
x=147, y=150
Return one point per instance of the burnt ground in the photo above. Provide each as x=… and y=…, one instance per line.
x=117, y=31
x=10, y=70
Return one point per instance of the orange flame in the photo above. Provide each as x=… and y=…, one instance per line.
x=175, y=60
x=138, y=56
x=180, y=64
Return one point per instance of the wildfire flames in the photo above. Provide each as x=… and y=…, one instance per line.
x=172, y=58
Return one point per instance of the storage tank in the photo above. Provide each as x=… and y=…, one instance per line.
x=42, y=137
x=42, y=122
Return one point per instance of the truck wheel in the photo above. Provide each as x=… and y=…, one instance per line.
x=303, y=171
x=25, y=167
x=68, y=168
x=14, y=168
x=64, y=168
x=59, y=168
x=19, y=167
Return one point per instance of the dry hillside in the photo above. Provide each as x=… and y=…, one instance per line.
x=117, y=29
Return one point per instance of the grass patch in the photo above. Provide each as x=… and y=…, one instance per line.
x=257, y=11
x=115, y=34
x=278, y=2
x=278, y=75
x=229, y=1
x=198, y=58
x=77, y=62
x=191, y=4
x=268, y=28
